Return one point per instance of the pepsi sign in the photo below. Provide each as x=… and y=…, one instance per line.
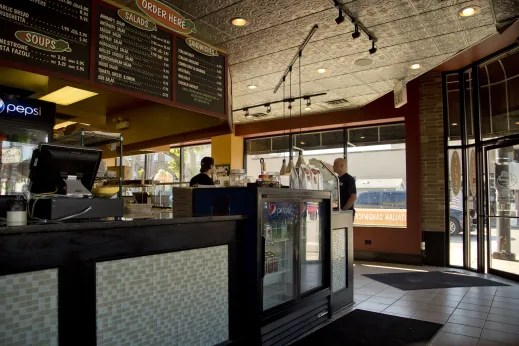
x=27, y=110
x=12, y=108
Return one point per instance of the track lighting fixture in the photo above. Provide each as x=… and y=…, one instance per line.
x=308, y=101
x=339, y=19
x=247, y=114
x=356, y=33
x=373, y=50
x=269, y=109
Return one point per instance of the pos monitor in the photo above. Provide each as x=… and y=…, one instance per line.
x=64, y=170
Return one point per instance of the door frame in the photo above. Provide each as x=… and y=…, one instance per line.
x=485, y=218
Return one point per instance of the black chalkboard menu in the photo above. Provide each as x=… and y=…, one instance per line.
x=132, y=53
x=51, y=34
x=200, y=74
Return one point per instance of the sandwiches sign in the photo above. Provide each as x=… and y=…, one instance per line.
x=166, y=16
x=201, y=47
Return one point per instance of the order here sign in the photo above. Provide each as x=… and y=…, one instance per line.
x=381, y=217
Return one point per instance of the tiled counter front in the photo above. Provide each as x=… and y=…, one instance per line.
x=338, y=259
x=177, y=298
x=29, y=308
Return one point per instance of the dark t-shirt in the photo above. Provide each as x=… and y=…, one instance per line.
x=348, y=188
x=201, y=179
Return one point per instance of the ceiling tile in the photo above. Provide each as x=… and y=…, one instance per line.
x=264, y=65
x=292, y=9
x=241, y=88
x=505, y=9
x=348, y=62
x=411, y=51
x=381, y=87
x=341, y=45
x=359, y=90
x=422, y=6
x=199, y=8
x=386, y=11
x=333, y=69
x=477, y=34
x=365, y=99
x=451, y=43
x=346, y=80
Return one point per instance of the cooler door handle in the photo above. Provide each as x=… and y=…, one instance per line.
x=263, y=241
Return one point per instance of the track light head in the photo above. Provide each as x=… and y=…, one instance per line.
x=247, y=114
x=308, y=101
x=269, y=109
x=373, y=50
x=339, y=19
x=356, y=33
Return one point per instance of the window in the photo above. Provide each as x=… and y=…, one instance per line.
x=192, y=156
x=164, y=167
x=498, y=86
x=376, y=159
x=375, y=156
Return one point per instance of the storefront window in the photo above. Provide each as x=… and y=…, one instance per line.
x=375, y=156
x=376, y=159
x=192, y=156
x=164, y=167
x=498, y=85
x=453, y=109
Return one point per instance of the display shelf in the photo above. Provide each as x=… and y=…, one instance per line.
x=88, y=138
x=277, y=241
x=281, y=271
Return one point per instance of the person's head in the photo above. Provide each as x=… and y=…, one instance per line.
x=339, y=166
x=207, y=165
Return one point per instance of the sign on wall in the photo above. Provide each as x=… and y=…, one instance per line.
x=455, y=173
x=50, y=34
x=30, y=110
x=164, y=15
x=381, y=217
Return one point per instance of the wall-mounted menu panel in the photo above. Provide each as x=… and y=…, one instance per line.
x=200, y=74
x=50, y=34
x=131, y=53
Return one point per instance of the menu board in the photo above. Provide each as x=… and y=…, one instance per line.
x=51, y=34
x=200, y=76
x=132, y=53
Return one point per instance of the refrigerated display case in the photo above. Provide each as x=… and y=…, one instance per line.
x=288, y=256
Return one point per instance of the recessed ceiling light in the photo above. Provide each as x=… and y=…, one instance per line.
x=239, y=21
x=454, y=124
x=302, y=143
x=469, y=11
x=415, y=66
x=517, y=122
x=363, y=62
x=252, y=86
x=362, y=137
x=322, y=70
x=67, y=96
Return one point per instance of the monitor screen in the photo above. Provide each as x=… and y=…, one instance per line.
x=52, y=164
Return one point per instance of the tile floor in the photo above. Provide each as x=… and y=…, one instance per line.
x=485, y=316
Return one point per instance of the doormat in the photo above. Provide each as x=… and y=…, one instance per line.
x=366, y=328
x=426, y=280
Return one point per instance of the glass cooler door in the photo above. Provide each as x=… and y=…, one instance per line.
x=311, y=247
x=279, y=225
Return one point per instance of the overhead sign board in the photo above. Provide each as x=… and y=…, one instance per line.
x=164, y=15
x=29, y=110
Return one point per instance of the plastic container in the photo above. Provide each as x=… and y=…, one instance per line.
x=238, y=178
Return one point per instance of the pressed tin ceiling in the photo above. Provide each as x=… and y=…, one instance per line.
x=427, y=32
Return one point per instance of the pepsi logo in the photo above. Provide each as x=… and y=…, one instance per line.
x=2, y=105
x=13, y=108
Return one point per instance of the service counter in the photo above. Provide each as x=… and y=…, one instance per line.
x=155, y=281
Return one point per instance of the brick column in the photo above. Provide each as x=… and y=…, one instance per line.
x=432, y=167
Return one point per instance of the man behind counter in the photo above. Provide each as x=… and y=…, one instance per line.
x=348, y=190
x=206, y=172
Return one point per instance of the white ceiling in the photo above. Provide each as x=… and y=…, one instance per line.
x=407, y=31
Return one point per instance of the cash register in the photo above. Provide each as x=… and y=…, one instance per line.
x=61, y=180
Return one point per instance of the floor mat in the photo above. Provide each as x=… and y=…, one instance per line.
x=427, y=280
x=366, y=328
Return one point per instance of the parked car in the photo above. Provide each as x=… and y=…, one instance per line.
x=378, y=199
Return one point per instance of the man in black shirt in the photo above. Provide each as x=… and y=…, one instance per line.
x=348, y=190
x=206, y=172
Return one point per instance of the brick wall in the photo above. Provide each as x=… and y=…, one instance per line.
x=432, y=153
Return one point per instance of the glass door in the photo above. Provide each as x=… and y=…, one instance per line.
x=502, y=208
x=310, y=247
x=279, y=224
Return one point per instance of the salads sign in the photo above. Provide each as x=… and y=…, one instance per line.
x=137, y=20
x=166, y=16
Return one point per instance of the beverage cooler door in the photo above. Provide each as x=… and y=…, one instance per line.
x=279, y=225
x=311, y=247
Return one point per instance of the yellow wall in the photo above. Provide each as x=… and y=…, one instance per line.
x=153, y=120
x=227, y=150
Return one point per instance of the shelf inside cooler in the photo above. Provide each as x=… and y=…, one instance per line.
x=276, y=294
x=281, y=271
x=277, y=241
